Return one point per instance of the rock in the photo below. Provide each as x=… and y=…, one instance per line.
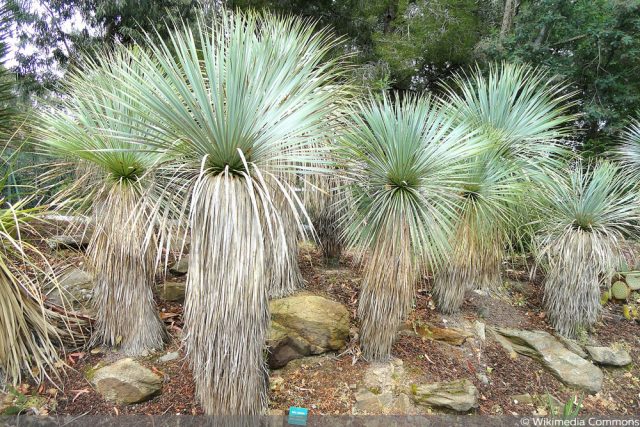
x=385, y=377
x=402, y=405
x=564, y=364
x=75, y=277
x=573, y=346
x=608, y=356
x=304, y=325
x=172, y=291
x=460, y=395
x=169, y=357
x=383, y=390
x=382, y=403
x=428, y=331
x=77, y=242
x=74, y=290
x=180, y=267
x=126, y=381
x=368, y=402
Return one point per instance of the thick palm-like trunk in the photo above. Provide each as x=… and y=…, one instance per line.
x=387, y=294
x=327, y=225
x=579, y=264
x=123, y=267
x=282, y=255
x=226, y=303
x=474, y=264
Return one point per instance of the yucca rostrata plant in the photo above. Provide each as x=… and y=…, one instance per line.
x=240, y=102
x=481, y=231
x=520, y=115
x=115, y=188
x=407, y=164
x=628, y=152
x=585, y=216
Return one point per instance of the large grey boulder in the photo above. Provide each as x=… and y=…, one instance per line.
x=126, y=381
x=608, y=356
x=305, y=325
x=459, y=396
x=552, y=354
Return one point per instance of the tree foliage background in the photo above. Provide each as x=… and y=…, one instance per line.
x=400, y=44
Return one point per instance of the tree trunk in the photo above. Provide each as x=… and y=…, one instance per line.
x=507, y=17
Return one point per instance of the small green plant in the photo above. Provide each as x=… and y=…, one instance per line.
x=568, y=411
x=20, y=401
x=519, y=300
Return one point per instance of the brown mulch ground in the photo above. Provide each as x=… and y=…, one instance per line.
x=327, y=384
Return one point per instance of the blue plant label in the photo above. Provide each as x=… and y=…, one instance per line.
x=298, y=416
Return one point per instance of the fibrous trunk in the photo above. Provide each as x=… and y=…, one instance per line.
x=123, y=265
x=282, y=254
x=327, y=225
x=324, y=209
x=474, y=264
x=226, y=303
x=578, y=266
x=387, y=294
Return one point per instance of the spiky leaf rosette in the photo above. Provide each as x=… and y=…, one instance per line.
x=585, y=217
x=522, y=113
x=239, y=104
x=408, y=166
x=482, y=230
x=628, y=152
x=117, y=191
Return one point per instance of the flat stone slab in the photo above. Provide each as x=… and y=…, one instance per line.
x=427, y=331
x=460, y=395
x=608, y=356
x=552, y=354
